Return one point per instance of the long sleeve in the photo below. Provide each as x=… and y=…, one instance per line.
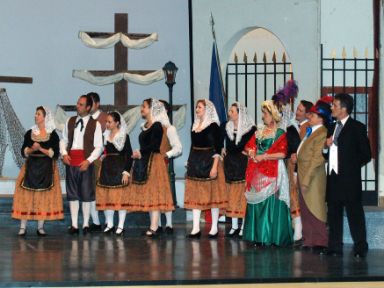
x=27, y=143
x=156, y=137
x=97, y=143
x=128, y=152
x=64, y=140
x=55, y=144
x=317, y=160
x=174, y=141
x=217, y=138
x=364, y=146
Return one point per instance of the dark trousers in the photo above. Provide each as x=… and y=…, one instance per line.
x=80, y=186
x=355, y=215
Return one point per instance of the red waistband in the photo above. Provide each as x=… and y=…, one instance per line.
x=77, y=156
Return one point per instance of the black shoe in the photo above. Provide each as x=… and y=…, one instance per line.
x=214, y=236
x=298, y=243
x=152, y=234
x=168, y=230
x=121, y=233
x=41, y=233
x=194, y=236
x=72, y=230
x=359, y=255
x=320, y=250
x=334, y=253
x=85, y=230
x=235, y=233
x=95, y=228
x=109, y=230
x=24, y=233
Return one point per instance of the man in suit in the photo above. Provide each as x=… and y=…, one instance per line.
x=296, y=133
x=347, y=150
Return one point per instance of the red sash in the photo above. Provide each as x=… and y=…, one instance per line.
x=77, y=156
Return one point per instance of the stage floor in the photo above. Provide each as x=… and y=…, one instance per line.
x=64, y=260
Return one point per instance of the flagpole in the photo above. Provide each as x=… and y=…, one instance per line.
x=212, y=23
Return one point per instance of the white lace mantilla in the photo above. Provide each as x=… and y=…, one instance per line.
x=244, y=124
x=209, y=117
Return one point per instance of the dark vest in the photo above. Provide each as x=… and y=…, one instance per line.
x=89, y=135
x=102, y=120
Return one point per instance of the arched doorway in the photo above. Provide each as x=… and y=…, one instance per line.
x=257, y=66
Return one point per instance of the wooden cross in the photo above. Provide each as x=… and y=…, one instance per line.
x=120, y=65
x=121, y=58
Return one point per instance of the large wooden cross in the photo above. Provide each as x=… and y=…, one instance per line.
x=121, y=58
x=121, y=65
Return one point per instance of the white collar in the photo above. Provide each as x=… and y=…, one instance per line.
x=343, y=121
x=303, y=122
x=85, y=118
x=96, y=114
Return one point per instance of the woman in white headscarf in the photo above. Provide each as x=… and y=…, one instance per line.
x=38, y=193
x=115, y=172
x=205, y=183
x=237, y=132
x=150, y=190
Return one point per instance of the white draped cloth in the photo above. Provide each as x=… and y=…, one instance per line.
x=103, y=43
x=131, y=117
x=130, y=77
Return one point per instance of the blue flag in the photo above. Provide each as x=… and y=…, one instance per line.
x=216, y=88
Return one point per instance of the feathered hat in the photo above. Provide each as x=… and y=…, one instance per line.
x=323, y=107
x=286, y=94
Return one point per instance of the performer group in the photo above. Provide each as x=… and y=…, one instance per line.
x=285, y=182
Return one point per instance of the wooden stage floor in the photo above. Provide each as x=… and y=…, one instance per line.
x=101, y=260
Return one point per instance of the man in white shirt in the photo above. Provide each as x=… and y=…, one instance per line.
x=101, y=117
x=81, y=145
x=347, y=150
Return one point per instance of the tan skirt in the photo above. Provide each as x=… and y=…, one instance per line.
x=237, y=203
x=204, y=195
x=155, y=194
x=110, y=198
x=38, y=205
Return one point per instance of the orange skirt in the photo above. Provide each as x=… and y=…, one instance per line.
x=155, y=194
x=237, y=203
x=204, y=195
x=110, y=198
x=38, y=205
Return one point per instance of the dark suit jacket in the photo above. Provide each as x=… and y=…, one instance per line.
x=353, y=152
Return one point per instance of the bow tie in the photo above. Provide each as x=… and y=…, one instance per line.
x=80, y=121
x=309, y=132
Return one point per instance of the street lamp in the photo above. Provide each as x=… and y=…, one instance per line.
x=170, y=71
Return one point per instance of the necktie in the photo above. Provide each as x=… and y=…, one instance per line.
x=80, y=121
x=337, y=132
x=309, y=132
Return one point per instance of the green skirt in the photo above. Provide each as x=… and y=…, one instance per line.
x=268, y=223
